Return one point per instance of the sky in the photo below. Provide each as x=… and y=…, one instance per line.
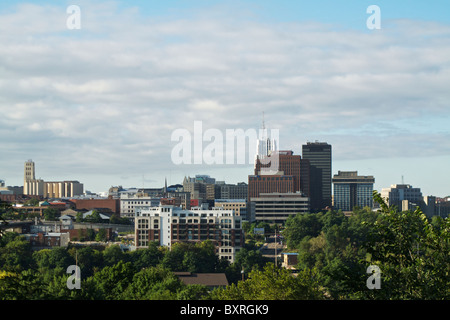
x=99, y=104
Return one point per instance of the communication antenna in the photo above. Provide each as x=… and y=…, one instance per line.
x=263, y=124
x=403, y=181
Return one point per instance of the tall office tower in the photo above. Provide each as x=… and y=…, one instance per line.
x=265, y=145
x=397, y=193
x=29, y=172
x=269, y=184
x=201, y=187
x=288, y=164
x=305, y=177
x=319, y=156
x=351, y=190
x=31, y=186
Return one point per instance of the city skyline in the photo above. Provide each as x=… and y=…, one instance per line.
x=99, y=104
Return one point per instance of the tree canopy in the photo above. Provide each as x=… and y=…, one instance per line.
x=334, y=251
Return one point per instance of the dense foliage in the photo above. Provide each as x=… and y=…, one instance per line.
x=334, y=252
x=111, y=274
x=410, y=250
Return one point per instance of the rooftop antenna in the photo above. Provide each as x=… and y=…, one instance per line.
x=403, y=181
x=263, y=124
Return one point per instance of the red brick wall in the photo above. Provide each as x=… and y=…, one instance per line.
x=89, y=204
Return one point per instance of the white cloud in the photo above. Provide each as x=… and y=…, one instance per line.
x=113, y=92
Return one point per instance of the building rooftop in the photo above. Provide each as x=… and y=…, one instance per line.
x=207, y=279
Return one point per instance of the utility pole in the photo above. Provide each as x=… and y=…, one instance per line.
x=276, y=247
x=76, y=264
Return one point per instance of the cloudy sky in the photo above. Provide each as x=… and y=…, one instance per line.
x=99, y=104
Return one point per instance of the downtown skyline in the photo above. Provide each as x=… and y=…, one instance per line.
x=99, y=104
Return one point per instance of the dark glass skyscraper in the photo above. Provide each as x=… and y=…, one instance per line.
x=319, y=156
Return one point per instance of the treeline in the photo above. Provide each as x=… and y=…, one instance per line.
x=411, y=251
x=334, y=253
x=112, y=274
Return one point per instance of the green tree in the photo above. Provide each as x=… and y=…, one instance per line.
x=173, y=259
x=112, y=281
x=32, y=202
x=5, y=208
x=300, y=226
x=113, y=254
x=90, y=234
x=411, y=253
x=249, y=259
x=53, y=258
x=94, y=217
x=16, y=254
x=153, y=283
x=23, y=285
x=88, y=259
x=273, y=283
x=192, y=292
x=50, y=214
x=101, y=235
x=199, y=257
x=148, y=257
x=79, y=217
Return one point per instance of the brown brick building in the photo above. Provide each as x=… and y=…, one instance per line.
x=90, y=204
x=292, y=176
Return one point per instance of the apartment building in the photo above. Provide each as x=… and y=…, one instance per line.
x=133, y=198
x=169, y=224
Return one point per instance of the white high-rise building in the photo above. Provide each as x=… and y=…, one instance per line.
x=265, y=145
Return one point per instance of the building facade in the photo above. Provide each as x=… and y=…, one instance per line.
x=269, y=184
x=168, y=225
x=319, y=155
x=201, y=187
x=48, y=240
x=90, y=204
x=131, y=199
x=397, y=193
x=238, y=205
x=51, y=189
x=278, y=207
x=291, y=174
x=62, y=189
x=351, y=190
x=233, y=191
